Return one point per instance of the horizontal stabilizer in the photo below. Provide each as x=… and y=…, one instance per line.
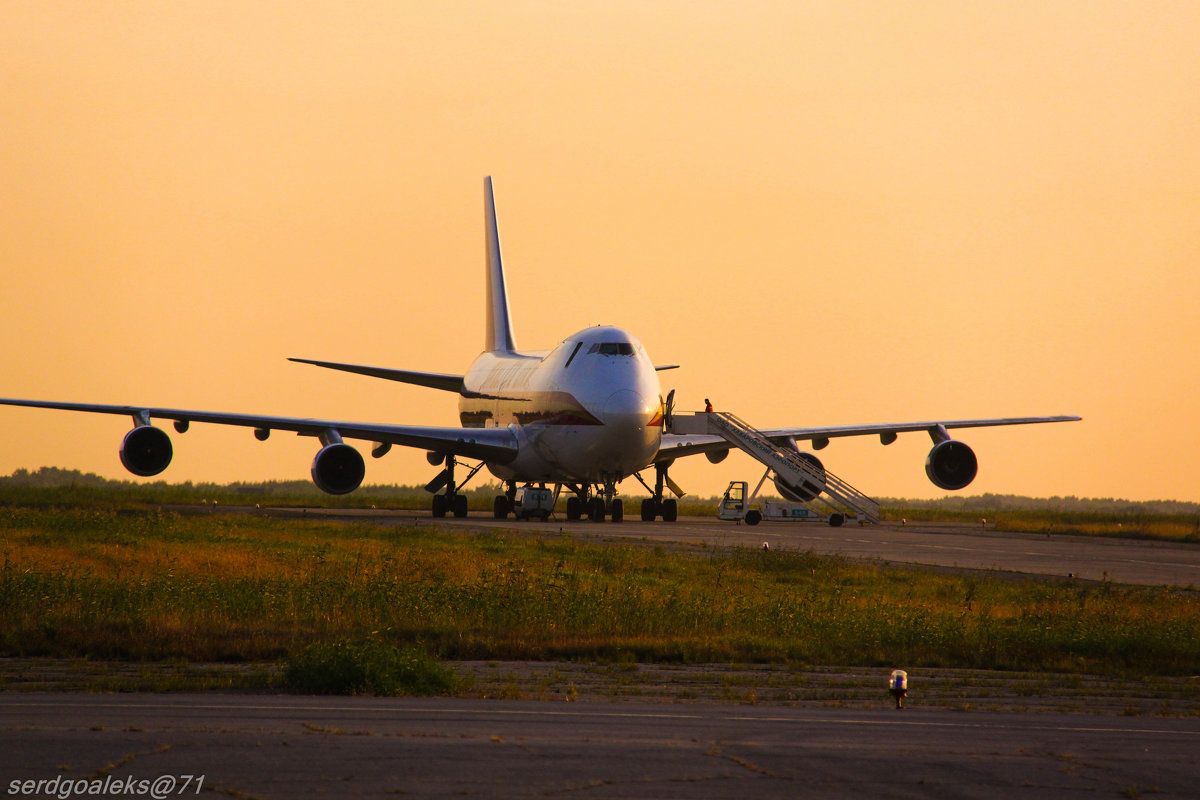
x=434, y=380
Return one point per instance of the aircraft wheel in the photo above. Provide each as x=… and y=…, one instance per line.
x=500, y=507
x=459, y=505
x=648, y=510
x=574, y=508
x=670, y=510
x=439, y=505
x=753, y=517
x=836, y=520
x=618, y=510
x=596, y=512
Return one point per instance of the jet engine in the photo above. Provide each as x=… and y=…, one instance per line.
x=146, y=450
x=951, y=465
x=809, y=489
x=338, y=468
x=717, y=456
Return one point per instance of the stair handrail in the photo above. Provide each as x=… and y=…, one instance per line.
x=748, y=438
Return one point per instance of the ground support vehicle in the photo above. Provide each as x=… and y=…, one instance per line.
x=530, y=502
x=736, y=505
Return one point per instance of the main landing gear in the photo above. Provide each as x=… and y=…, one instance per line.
x=600, y=501
x=503, y=504
x=656, y=506
x=451, y=502
x=578, y=501
x=597, y=502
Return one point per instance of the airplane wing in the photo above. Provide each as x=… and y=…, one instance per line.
x=489, y=444
x=677, y=446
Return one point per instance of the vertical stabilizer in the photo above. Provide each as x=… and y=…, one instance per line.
x=499, y=327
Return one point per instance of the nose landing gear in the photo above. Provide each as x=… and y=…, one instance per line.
x=596, y=502
x=604, y=501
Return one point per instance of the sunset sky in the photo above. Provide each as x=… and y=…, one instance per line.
x=827, y=212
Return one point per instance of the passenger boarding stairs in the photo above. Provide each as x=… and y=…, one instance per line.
x=788, y=464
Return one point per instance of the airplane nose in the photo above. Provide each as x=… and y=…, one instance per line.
x=627, y=408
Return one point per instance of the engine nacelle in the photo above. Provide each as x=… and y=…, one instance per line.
x=951, y=465
x=810, y=489
x=717, y=456
x=146, y=450
x=338, y=469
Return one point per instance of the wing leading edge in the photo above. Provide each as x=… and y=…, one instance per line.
x=433, y=380
x=678, y=446
x=488, y=444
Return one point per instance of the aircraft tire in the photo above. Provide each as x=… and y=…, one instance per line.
x=459, y=505
x=439, y=506
x=500, y=507
x=596, y=512
x=670, y=510
x=618, y=510
x=753, y=517
x=836, y=520
x=648, y=510
x=574, y=508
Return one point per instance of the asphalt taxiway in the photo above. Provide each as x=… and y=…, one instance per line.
x=1133, y=561
x=258, y=746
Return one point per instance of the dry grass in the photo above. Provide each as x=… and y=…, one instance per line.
x=76, y=582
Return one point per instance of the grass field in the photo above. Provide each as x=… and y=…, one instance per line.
x=1130, y=525
x=142, y=585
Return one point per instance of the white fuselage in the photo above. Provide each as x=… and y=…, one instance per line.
x=589, y=410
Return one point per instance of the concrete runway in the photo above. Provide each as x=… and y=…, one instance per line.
x=255, y=746
x=1134, y=561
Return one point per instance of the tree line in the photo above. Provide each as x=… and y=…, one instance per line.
x=56, y=478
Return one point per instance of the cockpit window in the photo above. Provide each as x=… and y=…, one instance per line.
x=573, y=352
x=612, y=348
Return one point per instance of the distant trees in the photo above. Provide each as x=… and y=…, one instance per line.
x=53, y=478
x=483, y=492
x=1071, y=504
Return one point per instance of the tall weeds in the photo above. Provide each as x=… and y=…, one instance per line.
x=146, y=585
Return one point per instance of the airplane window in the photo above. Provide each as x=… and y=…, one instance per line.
x=612, y=348
x=573, y=352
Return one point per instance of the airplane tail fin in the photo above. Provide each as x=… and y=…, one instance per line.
x=499, y=326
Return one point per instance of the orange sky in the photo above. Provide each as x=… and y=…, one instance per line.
x=828, y=213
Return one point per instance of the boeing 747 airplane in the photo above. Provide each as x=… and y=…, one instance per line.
x=584, y=416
